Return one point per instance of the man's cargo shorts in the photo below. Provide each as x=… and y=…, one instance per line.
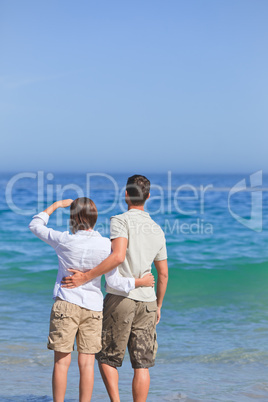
x=128, y=323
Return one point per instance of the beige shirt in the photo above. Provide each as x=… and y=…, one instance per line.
x=146, y=243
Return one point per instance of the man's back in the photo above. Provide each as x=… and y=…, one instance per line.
x=146, y=243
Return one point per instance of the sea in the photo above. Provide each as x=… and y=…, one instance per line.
x=213, y=333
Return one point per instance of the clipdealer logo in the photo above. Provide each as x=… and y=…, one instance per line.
x=255, y=220
x=186, y=200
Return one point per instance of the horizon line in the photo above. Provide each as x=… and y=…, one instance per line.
x=166, y=172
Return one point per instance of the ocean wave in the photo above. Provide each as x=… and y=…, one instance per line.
x=239, y=356
x=26, y=398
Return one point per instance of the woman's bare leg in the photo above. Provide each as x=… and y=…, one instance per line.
x=59, y=379
x=86, y=368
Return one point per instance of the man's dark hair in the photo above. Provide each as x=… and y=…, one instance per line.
x=83, y=214
x=138, y=189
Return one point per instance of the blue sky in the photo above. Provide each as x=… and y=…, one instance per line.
x=114, y=86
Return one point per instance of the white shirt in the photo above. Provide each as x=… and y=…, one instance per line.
x=83, y=250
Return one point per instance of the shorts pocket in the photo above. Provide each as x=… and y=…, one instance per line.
x=59, y=315
x=151, y=311
x=151, y=307
x=97, y=315
x=58, y=320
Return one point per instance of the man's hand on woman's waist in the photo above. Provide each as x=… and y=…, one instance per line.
x=77, y=279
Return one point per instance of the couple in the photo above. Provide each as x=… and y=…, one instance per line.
x=131, y=308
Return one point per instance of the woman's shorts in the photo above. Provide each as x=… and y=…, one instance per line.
x=69, y=321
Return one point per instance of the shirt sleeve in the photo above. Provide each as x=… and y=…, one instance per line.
x=118, y=282
x=162, y=253
x=38, y=226
x=118, y=228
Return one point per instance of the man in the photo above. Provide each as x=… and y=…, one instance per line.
x=129, y=320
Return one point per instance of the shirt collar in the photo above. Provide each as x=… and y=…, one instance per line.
x=88, y=233
x=138, y=211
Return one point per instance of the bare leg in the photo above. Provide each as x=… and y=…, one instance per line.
x=140, y=385
x=86, y=368
x=110, y=378
x=59, y=379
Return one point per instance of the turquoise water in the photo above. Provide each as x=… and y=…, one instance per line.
x=213, y=335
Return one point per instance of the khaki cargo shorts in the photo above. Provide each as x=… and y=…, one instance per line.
x=69, y=321
x=128, y=323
